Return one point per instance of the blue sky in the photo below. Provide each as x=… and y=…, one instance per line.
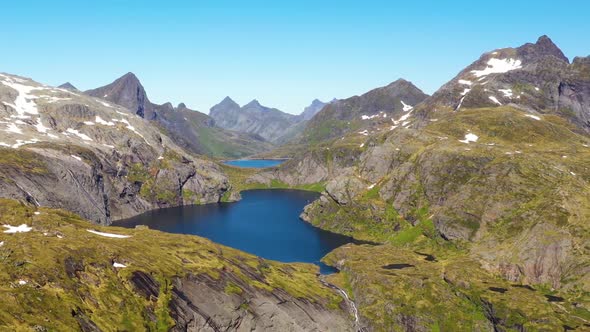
x=283, y=53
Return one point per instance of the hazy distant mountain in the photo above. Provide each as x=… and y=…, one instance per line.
x=68, y=86
x=252, y=118
x=311, y=110
x=190, y=129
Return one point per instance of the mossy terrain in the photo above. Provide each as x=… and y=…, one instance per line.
x=22, y=161
x=440, y=289
x=59, y=273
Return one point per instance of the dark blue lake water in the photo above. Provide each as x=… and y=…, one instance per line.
x=254, y=163
x=264, y=223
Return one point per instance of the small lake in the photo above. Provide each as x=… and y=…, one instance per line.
x=255, y=163
x=264, y=223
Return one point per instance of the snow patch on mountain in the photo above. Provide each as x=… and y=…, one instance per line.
x=406, y=106
x=498, y=66
x=79, y=134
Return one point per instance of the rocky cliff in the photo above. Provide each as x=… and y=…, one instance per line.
x=66, y=150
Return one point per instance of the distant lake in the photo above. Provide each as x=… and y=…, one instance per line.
x=255, y=163
x=265, y=223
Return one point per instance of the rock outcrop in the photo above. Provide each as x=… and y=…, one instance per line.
x=66, y=150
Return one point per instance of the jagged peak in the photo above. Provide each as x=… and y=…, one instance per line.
x=253, y=103
x=400, y=81
x=129, y=77
x=227, y=99
x=181, y=106
x=544, y=46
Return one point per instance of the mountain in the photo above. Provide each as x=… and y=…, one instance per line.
x=536, y=77
x=311, y=110
x=252, y=118
x=190, y=129
x=198, y=132
x=358, y=113
x=480, y=204
x=68, y=86
x=67, y=150
x=128, y=92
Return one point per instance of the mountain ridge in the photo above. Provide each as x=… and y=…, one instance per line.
x=189, y=128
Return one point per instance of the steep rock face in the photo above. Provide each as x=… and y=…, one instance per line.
x=128, y=92
x=147, y=280
x=536, y=77
x=188, y=128
x=66, y=150
x=252, y=118
x=360, y=112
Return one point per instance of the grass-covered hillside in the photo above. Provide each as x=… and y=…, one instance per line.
x=60, y=273
x=498, y=195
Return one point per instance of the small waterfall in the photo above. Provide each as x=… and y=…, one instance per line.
x=350, y=303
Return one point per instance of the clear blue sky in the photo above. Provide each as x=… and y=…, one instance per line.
x=284, y=53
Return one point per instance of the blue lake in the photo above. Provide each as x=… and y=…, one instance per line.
x=264, y=223
x=254, y=163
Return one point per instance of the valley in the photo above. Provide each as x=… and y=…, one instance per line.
x=393, y=210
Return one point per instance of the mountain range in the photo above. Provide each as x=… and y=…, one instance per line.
x=470, y=206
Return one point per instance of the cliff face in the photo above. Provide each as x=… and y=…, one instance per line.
x=59, y=274
x=66, y=150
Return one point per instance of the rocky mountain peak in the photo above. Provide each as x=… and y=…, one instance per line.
x=227, y=102
x=68, y=86
x=181, y=106
x=129, y=77
x=542, y=48
x=126, y=91
x=167, y=106
x=253, y=104
x=311, y=110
